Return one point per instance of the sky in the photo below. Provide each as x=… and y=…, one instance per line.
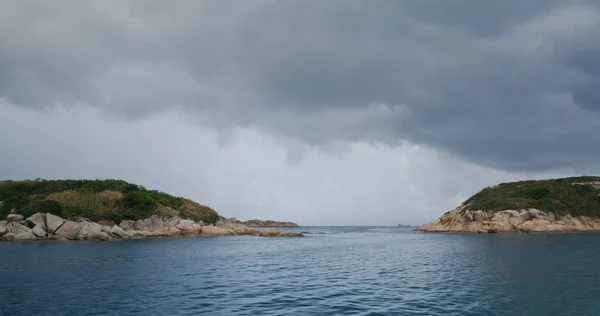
x=338, y=112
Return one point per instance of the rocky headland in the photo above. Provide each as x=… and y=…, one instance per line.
x=268, y=223
x=46, y=226
x=108, y=210
x=556, y=205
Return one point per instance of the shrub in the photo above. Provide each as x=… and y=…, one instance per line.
x=137, y=200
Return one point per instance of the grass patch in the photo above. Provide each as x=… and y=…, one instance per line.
x=98, y=200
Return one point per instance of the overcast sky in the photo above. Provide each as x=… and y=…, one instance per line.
x=319, y=112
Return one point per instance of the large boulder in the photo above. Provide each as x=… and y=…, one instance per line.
x=2, y=229
x=173, y=221
x=16, y=228
x=38, y=219
x=90, y=231
x=69, y=230
x=215, y=231
x=53, y=222
x=14, y=217
x=118, y=231
x=188, y=227
x=152, y=224
x=39, y=231
x=173, y=232
x=127, y=224
x=241, y=229
x=24, y=236
x=103, y=236
x=8, y=237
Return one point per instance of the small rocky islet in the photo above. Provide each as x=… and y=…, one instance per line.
x=268, y=223
x=555, y=205
x=46, y=226
x=108, y=210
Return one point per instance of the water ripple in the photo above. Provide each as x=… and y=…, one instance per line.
x=344, y=271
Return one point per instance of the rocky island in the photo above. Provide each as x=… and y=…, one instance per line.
x=107, y=210
x=554, y=205
x=268, y=223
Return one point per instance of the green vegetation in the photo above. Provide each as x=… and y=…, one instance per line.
x=96, y=200
x=575, y=196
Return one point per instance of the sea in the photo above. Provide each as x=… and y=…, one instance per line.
x=331, y=271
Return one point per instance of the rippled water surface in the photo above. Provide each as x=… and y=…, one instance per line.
x=335, y=271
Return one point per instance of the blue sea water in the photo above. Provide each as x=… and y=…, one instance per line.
x=332, y=271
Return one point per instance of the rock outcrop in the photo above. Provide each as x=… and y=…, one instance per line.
x=268, y=223
x=464, y=220
x=272, y=232
x=46, y=226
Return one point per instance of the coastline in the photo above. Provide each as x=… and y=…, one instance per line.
x=462, y=220
x=46, y=226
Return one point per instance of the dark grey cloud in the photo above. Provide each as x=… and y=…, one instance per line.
x=503, y=84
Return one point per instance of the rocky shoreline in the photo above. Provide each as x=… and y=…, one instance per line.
x=46, y=226
x=463, y=220
x=268, y=223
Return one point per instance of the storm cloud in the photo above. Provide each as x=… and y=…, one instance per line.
x=506, y=86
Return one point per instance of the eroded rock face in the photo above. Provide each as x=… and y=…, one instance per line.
x=530, y=220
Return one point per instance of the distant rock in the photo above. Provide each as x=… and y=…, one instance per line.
x=269, y=223
x=273, y=232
